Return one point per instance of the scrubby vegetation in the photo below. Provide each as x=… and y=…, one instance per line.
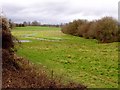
x=20, y=73
x=7, y=43
x=105, y=29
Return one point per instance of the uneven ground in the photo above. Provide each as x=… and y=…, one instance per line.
x=76, y=59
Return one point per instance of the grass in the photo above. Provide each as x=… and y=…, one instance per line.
x=80, y=60
x=36, y=28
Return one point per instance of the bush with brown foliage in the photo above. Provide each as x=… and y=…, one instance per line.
x=7, y=38
x=20, y=73
x=92, y=30
x=83, y=29
x=119, y=33
x=72, y=27
x=7, y=43
x=105, y=29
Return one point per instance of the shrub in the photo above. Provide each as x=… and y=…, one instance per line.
x=7, y=38
x=106, y=29
x=118, y=33
x=92, y=30
x=83, y=29
x=11, y=24
x=72, y=27
x=7, y=44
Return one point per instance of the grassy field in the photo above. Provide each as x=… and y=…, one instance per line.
x=77, y=59
x=36, y=28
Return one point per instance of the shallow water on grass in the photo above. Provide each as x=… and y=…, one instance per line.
x=49, y=39
x=25, y=41
x=28, y=35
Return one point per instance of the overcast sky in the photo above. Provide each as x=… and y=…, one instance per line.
x=58, y=11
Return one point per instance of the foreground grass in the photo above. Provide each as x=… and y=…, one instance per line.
x=80, y=60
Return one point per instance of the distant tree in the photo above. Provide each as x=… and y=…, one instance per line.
x=17, y=25
x=29, y=23
x=25, y=23
x=35, y=23
x=11, y=24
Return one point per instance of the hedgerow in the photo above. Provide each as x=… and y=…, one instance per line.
x=105, y=29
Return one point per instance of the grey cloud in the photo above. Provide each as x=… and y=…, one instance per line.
x=12, y=8
x=54, y=12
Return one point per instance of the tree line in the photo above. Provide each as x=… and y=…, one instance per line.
x=33, y=23
x=106, y=29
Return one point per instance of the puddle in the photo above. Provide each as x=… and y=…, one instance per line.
x=49, y=39
x=28, y=35
x=24, y=40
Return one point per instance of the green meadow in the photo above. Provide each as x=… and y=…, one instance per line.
x=84, y=61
